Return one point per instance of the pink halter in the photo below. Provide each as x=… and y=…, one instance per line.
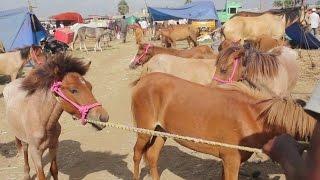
x=230, y=79
x=137, y=59
x=83, y=109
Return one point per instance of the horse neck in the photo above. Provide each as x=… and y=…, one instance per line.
x=162, y=50
x=50, y=109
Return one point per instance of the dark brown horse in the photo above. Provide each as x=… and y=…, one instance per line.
x=276, y=70
x=34, y=105
x=233, y=114
x=147, y=51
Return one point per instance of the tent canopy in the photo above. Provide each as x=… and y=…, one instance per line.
x=20, y=28
x=69, y=16
x=302, y=38
x=201, y=10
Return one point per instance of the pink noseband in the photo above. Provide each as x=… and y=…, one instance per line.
x=230, y=79
x=83, y=109
x=137, y=59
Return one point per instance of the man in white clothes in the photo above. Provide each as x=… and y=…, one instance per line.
x=314, y=21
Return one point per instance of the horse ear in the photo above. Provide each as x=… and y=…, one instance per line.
x=87, y=66
x=238, y=42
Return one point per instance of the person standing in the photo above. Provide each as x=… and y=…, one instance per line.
x=314, y=21
x=124, y=29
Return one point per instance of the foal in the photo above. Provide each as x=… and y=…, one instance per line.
x=34, y=105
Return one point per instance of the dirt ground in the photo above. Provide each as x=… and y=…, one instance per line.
x=85, y=153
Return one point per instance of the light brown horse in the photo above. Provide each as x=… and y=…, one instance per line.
x=272, y=23
x=147, y=51
x=33, y=109
x=180, y=33
x=11, y=63
x=264, y=43
x=233, y=114
x=276, y=70
x=194, y=70
x=228, y=43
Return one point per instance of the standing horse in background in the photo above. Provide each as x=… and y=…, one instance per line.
x=34, y=105
x=180, y=33
x=276, y=70
x=11, y=63
x=233, y=114
x=272, y=23
x=97, y=33
x=147, y=51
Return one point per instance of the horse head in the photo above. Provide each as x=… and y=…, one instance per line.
x=145, y=52
x=230, y=65
x=63, y=75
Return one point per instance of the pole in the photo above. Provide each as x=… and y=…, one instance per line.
x=260, y=5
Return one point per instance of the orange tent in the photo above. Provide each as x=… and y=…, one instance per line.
x=71, y=17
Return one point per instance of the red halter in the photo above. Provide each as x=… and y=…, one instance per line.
x=230, y=79
x=137, y=59
x=83, y=109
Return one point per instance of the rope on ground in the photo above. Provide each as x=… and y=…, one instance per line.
x=174, y=136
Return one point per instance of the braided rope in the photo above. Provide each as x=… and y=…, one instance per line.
x=174, y=136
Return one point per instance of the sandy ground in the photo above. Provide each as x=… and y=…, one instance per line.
x=87, y=154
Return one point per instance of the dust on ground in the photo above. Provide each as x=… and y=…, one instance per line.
x=88, y=154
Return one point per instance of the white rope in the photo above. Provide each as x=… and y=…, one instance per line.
x=174, y=136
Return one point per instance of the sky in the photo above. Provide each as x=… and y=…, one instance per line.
x=47, y=8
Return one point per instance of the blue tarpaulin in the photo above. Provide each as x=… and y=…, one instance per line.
x=302, y=38
x=201, y=10
x=20, y=28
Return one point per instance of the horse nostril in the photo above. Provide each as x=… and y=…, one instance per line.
x=104, y=118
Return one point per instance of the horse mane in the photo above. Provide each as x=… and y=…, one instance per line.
x=247, y=90
x=288, y=116
x=24, y=52
x=55, y=68
x=255, y=62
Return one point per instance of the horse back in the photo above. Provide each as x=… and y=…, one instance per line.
x=10, y=61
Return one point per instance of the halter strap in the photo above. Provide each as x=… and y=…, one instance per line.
x=137, y=59
x=230, y=79
x=83, y=109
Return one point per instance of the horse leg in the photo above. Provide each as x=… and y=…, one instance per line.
x=23, y=147
x=53, y=166
x=152, y=155
x=231, y=165
x=95, y=47
x=139, y=149
x=36, y=155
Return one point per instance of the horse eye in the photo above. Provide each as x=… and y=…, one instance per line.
x=73, y=91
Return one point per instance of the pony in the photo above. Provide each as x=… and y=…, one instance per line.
x=276, y=70
x=180, y=33
x=35, y=103
x=147, y=51
x=98, y=33
x=232, y=113
x=272, y=23
x=11, y=63
x=194, y=70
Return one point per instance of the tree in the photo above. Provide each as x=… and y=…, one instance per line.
x=188, y=1
x=285, y=3
x=123, y=7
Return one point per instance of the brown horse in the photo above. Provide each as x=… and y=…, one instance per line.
x=32, y=111
x=147, y=51
x=272, y=23
x=265, y=43
x=276, y=70
x=180, y=33
x=194, y=70
x=11, y=63
x=233, y=114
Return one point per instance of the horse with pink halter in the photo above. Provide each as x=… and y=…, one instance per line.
x=34, y=105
